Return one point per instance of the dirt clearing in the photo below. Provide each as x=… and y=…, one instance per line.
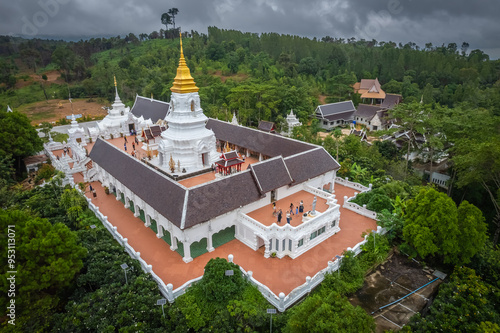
x=55, y=109
x=392, y=281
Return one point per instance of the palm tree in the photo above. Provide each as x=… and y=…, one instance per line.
x=166, y=19
x=173, y=12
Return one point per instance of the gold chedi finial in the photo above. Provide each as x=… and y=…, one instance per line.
x=114, y=76
x=183, y=82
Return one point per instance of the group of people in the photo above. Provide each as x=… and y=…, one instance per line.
x=294, y=210
x=135, y=142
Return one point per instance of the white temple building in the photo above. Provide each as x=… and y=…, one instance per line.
x=76, y=133
x=147, y=112
x=113, y=125
x=292, y=122
x=186, y=140
x=194, y=219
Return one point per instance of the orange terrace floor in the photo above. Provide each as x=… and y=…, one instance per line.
x=140, y=153
x=280, y=275
x=265, y=214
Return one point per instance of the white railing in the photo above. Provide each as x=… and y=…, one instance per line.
x=358, y=209
x=317, y=192
x=59, y=164
x=356, y=186
x=288, y=230
x=252, y=222
x=353, y=206
x=281, y=302
x=53, y=145
x=182, y=289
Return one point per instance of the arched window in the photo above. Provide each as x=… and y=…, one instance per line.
x=192, y=105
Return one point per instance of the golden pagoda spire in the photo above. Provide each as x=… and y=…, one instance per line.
x=117, y=98
x=183, y=82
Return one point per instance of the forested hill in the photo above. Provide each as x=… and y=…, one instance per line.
x=261, y=76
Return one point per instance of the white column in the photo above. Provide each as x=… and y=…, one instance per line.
x=137, y=210
x=118, y=195
x=267, y=251
x=172, y=238
x=295, y=247
x=148, y=220
x=210, y=246
x=127, y=202
x=159, y=230
x=173, y=247
x=187, y=252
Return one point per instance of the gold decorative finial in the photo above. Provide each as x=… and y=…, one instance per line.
x=183, y=82
x=114, y=76
x=151, y=95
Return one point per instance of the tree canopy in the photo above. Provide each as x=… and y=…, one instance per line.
x=47, y=256
x=18, y=138
x=465, y=304
x=435, y=226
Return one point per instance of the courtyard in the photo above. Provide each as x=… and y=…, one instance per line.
x=280, y=275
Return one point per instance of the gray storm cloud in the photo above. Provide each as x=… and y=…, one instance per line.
x=403, y=21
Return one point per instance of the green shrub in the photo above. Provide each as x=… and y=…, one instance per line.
x=379, y=202
x=46, y=172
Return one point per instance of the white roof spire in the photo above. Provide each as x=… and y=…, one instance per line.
x=234, y=121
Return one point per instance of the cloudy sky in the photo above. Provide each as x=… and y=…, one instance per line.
x=419, y=21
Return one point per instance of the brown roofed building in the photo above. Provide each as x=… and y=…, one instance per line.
x=152, y=134
x=370, y=90
x=375, y=117
x=267, y=126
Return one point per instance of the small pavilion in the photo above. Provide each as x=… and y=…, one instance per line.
x=229, y=163
x=152, y=133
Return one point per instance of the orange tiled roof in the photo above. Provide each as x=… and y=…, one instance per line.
x=368, y=94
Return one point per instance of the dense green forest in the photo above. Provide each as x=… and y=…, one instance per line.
x=450, y=94
x=245, y=72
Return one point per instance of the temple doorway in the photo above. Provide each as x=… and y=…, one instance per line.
x=204, y=159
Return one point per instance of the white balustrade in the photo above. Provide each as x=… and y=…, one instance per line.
x=358, y=209
x=353, y=185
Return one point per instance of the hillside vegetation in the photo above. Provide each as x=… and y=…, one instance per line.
x=245, y=72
